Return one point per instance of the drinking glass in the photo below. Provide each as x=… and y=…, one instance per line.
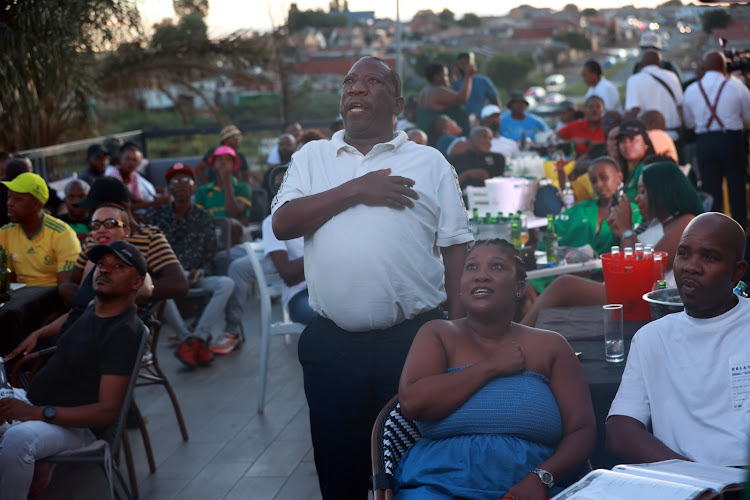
x=614, y=341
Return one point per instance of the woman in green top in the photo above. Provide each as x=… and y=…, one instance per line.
x=586, y=221
x=633, y=146
x=438, y=98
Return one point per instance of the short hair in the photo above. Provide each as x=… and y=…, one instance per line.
x=670, y=191
x=432, y=70
x=508, y=248
x=461, y=55
x=593, y=66
x=594, y=96
x=127, y=215
x=130, y=146
x=605, y=159
x=395, y=79
x=69, y=186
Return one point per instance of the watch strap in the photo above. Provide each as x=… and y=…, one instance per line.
x=544, y=476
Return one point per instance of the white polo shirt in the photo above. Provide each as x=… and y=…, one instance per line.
x=608, y=93
x=370, y=268
x=733, y=106
x=690, y=378
x=295, y=249
x=643, y=91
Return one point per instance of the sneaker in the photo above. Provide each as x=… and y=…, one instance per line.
x=224, y=345
x=203, y=355
x=188, y=352
x=42, y=476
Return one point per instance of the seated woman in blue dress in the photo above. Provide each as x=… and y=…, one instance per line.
x=504, y=409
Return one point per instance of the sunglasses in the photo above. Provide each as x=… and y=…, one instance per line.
x=178, y=180
x=107, y=223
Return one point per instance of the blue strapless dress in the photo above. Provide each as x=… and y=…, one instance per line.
x=487, y=445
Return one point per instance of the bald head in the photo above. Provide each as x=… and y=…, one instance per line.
x=651, y=58
x=723, y=229
x=715, y=61
x=653, y=119
x=709, y=263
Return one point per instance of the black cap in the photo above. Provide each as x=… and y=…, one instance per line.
x=517, y=96
x=105, y=190
x=631, y=128
x=127, y=253
x=96, y=150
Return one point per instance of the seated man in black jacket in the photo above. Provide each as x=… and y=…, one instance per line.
x=478, y=164
x=81, y=388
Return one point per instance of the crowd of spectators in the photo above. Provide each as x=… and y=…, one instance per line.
x=416, y=261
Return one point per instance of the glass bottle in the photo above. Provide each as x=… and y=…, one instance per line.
x=4, y=276
x=6, y=391
x=550, y=240
x=628, y=253
x=615, y=251
x=515, y=231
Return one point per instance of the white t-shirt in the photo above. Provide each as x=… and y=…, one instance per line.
x=733, y=106
x=295, y=249
x=644, y=92
x=370, y=268
x=608, y=93
x=685, y=376
x=504, y=146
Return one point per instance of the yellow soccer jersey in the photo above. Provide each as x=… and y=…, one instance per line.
x=38, y=259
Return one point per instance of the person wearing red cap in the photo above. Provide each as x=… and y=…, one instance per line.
x=227, y=196
x=190, y=232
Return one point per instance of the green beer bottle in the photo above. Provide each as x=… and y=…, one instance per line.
x=550, y=240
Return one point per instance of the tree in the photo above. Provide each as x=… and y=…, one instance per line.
x=186, y=7
x=671, y=3
x=300, y=19
x=713, y=19
x=589, y=12
x=571, y=8
x=577, y=41
x=48, y=67
x=508, y=71
x=447, y=17
x=470, y=20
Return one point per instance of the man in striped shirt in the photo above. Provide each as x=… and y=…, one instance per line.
x=165, y=269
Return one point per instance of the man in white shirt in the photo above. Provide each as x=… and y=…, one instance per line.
x=716, y=106
x=687, y=373
x=376, y=211
x=655, y=88
x=490, y=118
x=598, y=85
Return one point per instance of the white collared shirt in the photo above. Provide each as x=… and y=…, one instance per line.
x=733, y=107
x=607, y=91
x=644, y=92
x=370, y=268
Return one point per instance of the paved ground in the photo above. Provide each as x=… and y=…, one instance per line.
x=233, y=453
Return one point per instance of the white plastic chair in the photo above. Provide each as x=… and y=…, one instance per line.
x=267, y=328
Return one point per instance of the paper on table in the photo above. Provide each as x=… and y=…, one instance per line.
x=16, y=286
x=618, y=486
x=715, y=477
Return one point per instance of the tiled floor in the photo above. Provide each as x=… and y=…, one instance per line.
x=233, y=453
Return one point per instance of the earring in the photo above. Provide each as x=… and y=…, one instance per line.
x=518, y=295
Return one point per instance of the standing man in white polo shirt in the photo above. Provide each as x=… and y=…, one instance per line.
x=655, y=88
x=716, y=106
x=377, y=212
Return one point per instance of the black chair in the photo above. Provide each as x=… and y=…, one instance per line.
x=392, y=435
x=103, y=451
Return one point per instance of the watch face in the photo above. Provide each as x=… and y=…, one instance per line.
x=49, y=413
x=546, y=478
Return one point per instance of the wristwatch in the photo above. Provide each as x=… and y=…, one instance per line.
x=49, y=413
x=545, y=477
x=627, y=234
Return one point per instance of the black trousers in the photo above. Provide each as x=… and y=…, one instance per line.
x=348, y=378
x=724, y=154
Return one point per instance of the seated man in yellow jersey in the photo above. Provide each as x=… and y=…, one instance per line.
x=42, y=249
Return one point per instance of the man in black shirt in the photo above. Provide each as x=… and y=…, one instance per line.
x=478, y=164
x=81, y=388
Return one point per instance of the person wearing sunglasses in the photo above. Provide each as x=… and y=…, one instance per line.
x=190, y=231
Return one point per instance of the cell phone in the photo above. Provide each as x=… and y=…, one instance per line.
x=472, y=59
x=618, y=194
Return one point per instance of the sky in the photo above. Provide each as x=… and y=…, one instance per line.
x=226, y=16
